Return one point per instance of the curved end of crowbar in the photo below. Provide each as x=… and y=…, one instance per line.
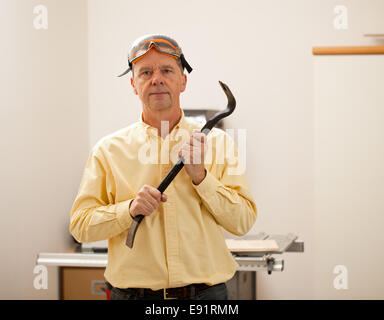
x=132, y=230
x=231, y=99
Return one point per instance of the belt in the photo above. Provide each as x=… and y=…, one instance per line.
x=170, y=293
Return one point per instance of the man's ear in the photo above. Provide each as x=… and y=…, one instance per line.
x=133, y=86
x=184, y=83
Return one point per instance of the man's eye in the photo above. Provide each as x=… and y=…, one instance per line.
x=145, y=73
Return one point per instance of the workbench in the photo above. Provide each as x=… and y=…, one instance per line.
x=82, y=273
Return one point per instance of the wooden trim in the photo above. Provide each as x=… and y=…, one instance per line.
x=348, y=50
x=61, y=289
x=375, y=35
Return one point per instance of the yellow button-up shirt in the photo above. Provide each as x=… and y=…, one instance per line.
x=182, y=241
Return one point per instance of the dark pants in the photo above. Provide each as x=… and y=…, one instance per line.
x=216, y=292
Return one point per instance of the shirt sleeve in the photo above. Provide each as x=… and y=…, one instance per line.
x=225, y=191
x=94, y=215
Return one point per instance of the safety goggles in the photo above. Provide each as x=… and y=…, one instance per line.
x=162, y=44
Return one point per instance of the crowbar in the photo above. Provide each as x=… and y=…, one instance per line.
x=180, y=163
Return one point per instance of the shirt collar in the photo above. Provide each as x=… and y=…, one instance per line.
x=153, y=131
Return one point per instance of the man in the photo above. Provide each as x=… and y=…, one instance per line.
x=179, y=249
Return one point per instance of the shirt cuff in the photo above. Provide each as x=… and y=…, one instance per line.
x=123, y=215
x=207, y=189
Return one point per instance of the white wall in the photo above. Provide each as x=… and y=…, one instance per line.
x=44, y=136
x=349, y=175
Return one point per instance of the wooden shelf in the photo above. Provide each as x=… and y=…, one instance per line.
x=374, y=35
x=348, y=50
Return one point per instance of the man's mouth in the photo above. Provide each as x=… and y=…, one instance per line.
x=158, y=93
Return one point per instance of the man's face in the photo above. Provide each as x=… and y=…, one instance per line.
x=158, y=81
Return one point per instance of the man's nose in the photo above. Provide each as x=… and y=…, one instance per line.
x=157, y=78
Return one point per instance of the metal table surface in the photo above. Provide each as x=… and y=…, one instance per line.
x=248, y=261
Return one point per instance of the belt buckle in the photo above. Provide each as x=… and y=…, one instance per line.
x=165, y=295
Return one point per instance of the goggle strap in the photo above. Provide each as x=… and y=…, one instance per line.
x=185, y=64
x=126, y=71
